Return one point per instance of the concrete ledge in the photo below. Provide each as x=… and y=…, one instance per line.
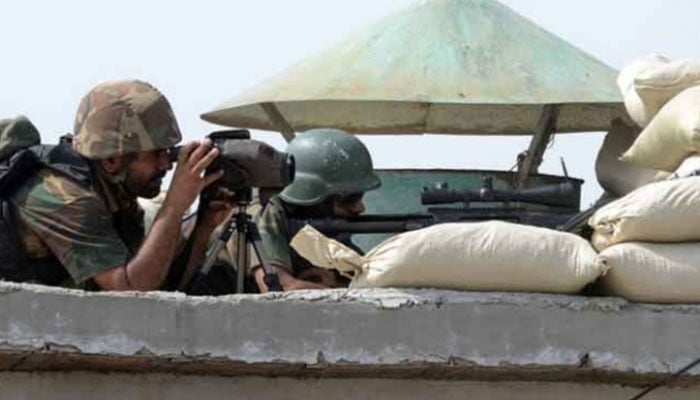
x=115, y=386
x=389, y=333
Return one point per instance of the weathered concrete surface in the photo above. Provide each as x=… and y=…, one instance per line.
x=93, y=386
x=389, y=334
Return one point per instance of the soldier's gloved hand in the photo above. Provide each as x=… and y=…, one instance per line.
x=188, y=179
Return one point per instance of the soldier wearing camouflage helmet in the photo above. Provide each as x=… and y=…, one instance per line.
x=333, y=171
x=92, y=228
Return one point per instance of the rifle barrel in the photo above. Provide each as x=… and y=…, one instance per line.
x=371, y=223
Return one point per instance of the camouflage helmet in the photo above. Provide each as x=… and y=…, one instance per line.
x=328, y=162
x=121, y=117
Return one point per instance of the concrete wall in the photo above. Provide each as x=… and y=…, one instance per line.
x=92, y=386
x=360, y=342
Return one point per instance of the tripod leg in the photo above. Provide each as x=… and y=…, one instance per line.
x=241, y=260
x=197, y=284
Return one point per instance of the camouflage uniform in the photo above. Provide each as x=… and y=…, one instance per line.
x=90, y=230
x=276, y=234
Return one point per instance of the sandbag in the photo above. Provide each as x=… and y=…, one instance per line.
x=667, y=211
x=652, y=272
x=615, y=176
x=634, y=104
x=490, y=255
x=689, y=167
x=672, y=136
x=660, y=83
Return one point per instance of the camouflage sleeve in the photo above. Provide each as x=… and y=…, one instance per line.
x=73, y=222
x=272, y=225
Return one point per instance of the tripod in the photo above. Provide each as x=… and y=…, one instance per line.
x=246, y=233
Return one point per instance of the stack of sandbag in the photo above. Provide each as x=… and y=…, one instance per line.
x=638, y=110
x=650, y=239
x=648, y=84
x=653, y=272
x=492, y=255
x=617, y=177
x=649, y=242
x=663, y=97
x=672, y=136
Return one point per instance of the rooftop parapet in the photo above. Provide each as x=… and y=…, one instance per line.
x=388, y=333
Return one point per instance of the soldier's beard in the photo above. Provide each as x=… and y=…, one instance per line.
x=146, y=187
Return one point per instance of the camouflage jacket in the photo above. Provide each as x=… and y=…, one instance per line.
x=276, y=234
x=88, y=230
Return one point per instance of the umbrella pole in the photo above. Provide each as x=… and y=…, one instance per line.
x=278, y=119
x=533, y=156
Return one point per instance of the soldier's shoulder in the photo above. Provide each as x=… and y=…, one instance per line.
x=274, y=208
x=48, y=186
x=273, y=217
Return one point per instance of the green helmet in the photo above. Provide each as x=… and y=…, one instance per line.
x=121, y=117
x=328, y=162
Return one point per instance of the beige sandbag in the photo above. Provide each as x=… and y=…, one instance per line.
x=659, y=84
x=672, y=136
x=615, y=176
x=667, y=211
x=689, y=167
x=634, y=104
x=490, y=255
x=653, y=272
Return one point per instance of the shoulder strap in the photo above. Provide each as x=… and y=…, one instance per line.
x=16, y=169
x=59, y=158
x=63, y=159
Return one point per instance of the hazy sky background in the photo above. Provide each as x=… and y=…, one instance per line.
x=203, y=53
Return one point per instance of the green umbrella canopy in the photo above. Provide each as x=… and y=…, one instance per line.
x=438, y=66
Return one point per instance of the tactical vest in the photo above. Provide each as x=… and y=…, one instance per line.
x=14, y=171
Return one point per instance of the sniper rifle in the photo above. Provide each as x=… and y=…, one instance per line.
x=560, y=201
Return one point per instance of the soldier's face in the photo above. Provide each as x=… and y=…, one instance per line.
x=350, y=205
x=145, y=173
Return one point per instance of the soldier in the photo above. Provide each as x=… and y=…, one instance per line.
x=93, y=233
x=333, y=171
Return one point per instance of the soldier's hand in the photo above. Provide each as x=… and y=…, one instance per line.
x=324, y=277
x=188, y=179
x=220, y=208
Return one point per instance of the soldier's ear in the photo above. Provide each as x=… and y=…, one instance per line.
x=112, y=164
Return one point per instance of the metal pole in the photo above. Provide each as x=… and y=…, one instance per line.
x=278, y=119
x=543, y=131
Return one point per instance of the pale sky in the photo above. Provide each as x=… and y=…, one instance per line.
x=203, y=53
